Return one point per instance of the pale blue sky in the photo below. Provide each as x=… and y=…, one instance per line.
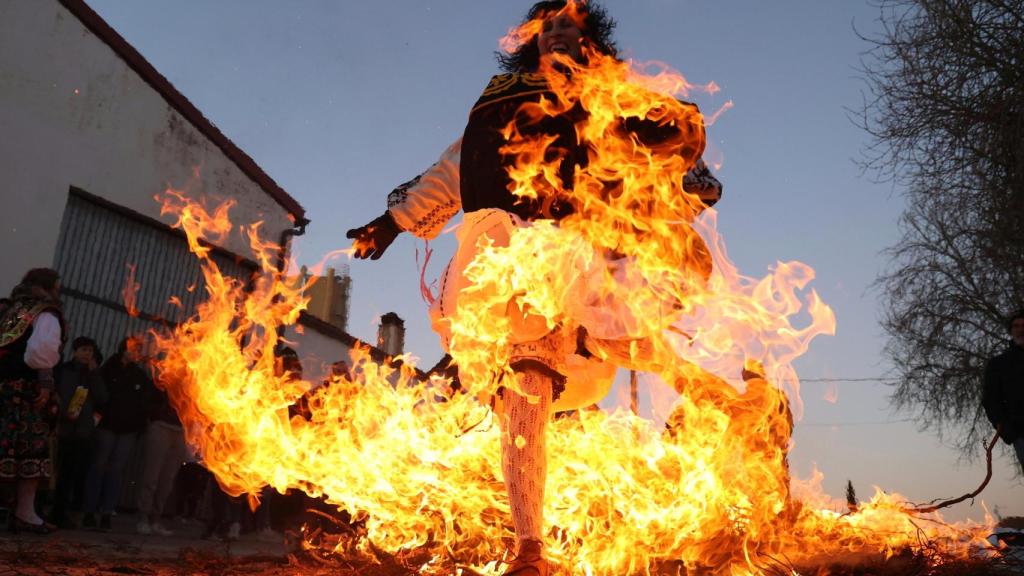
x=339, y=101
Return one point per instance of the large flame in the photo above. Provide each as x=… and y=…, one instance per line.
x=712, y=491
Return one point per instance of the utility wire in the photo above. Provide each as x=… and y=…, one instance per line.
x=845, y=424
x=874, y=379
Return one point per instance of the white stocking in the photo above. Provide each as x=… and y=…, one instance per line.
x=524, y=452
x=26, y=507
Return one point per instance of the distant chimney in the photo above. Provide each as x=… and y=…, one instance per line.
x=391, y=334
x=328, y=295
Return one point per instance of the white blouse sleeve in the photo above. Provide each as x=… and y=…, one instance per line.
x=423, y=205
x=43, y=348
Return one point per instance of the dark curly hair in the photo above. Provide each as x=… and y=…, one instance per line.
x=44, y=278
x=597, y=31
x=86, y=341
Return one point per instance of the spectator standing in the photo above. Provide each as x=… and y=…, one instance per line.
x=31, y=336
x=225, y=513
x=339, y=369
x=1003, y=394
x=164, y=454
x=288, y=366
x=123, y=420
x=189, y=488
x=80, y=388
x=295, y=509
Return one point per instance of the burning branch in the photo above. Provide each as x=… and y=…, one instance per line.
x=130, y=292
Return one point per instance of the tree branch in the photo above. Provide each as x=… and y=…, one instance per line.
x=924, y=509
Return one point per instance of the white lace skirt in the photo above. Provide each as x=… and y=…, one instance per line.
x=587, y=302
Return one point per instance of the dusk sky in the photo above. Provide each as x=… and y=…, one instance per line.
x=340, y=101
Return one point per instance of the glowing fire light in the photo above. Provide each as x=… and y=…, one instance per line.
x=831, y=393
x=130, y=292
x=712, y=491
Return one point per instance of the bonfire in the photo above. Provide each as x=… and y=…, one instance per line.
x=417, y=465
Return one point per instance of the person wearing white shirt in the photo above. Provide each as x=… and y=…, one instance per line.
x=31, y=336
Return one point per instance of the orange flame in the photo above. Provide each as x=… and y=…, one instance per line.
x=712, y=492
x=130, y=291
x=527, y=31
x=831, y=393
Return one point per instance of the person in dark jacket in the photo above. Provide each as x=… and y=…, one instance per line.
x=123, y=419
x=164, y=452
x=1003, y=393
x=80, y=389
x=286, y=364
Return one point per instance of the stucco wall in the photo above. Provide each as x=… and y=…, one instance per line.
x=72, y=113
x=316, y=352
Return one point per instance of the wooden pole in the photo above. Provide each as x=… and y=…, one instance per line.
x=634, y=393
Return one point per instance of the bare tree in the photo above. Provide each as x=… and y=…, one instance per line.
x=945, y=110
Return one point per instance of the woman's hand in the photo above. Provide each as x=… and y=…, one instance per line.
x=370, y=241
x=42, y=398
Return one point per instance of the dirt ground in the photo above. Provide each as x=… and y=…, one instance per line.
x=123, y=552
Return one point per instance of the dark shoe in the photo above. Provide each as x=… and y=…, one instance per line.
x=530, y=560
x=89, y=521
x=20, y=526
x=71, y=521
x=209, y=533
x=215, y=532
x=59, y=518
x=105, y=522
x=76, y=520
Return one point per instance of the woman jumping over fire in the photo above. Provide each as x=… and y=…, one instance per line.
x=571, y=365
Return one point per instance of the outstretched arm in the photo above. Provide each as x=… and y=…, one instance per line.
x=421, y=206
x=678, y=129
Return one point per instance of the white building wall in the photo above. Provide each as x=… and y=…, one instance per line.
x=320, y=347
x=316, y=352
x=72, y=113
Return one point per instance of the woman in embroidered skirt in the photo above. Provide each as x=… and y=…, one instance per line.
x=553, y=368
x=31, y=335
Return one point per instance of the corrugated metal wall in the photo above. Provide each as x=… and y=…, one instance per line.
x=96, y=247
x=98, y=241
